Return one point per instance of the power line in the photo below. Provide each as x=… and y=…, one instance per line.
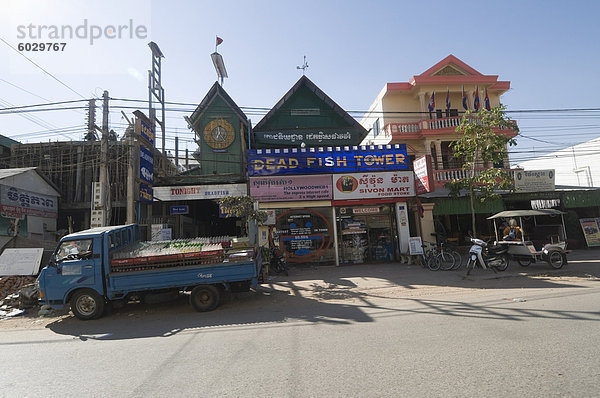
x=44, y=70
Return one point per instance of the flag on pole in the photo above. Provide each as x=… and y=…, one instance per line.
x=476, y=101
x=464, y=101
x=487, y=101
x=431, y=105
x=448, y=99
x=219, y=40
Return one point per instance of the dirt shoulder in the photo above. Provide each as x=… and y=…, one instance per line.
x=360, y=283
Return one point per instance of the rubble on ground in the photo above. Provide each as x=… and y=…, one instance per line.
x=19, y=293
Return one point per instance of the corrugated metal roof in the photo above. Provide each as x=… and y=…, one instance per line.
x=5, y=173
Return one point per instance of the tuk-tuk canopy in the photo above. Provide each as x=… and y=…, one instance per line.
x=526, y=213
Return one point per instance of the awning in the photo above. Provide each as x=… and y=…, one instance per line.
x=462, y=205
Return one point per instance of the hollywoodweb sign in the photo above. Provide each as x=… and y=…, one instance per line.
x=290, y=161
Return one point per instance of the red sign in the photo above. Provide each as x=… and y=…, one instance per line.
x=423, y=175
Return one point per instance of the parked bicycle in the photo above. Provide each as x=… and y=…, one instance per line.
x=429, y=257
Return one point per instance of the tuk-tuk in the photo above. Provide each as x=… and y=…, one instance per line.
x=538, y=241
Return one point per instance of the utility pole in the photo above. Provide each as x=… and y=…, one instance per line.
x=100, y=206
x=105, y=189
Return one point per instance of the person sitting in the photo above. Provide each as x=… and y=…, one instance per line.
x=512, y=231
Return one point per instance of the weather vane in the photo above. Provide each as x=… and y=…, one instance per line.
x=304, y=66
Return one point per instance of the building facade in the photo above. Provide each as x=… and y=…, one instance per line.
x=423, y=114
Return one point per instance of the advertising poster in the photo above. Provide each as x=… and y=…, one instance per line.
x=391, y=184
x=272, y=189
x=591, y=230
x=302, y=234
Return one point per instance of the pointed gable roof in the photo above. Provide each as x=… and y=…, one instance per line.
x=451, y=70
x=217, y=91
x=305, y=82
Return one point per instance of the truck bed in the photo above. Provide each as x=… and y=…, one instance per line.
x=183, y=276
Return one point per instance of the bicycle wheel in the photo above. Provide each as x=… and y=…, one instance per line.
x=446, y=260
x=433, y=263
x=457, y=259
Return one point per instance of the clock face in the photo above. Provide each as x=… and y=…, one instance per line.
x=219, y=134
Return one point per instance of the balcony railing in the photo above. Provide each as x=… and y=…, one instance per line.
x=427, y=125
x=404, y=128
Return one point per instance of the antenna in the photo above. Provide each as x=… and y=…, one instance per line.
x=304, y=66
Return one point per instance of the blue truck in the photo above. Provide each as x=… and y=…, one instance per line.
x=93, y=269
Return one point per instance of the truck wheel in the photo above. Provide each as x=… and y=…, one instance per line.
x=87, y=304
x=205, y=298
x=556, y=259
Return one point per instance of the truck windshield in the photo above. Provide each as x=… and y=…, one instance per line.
x=74, y=249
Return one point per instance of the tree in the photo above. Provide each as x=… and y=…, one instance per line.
x=481, y=143
x=243, y=207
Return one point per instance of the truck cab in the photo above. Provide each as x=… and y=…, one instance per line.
x=79, y=263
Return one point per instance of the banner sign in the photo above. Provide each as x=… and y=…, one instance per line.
x=272, y=189
x=534, y=180
x=17, y=203
x=182, y=209
x=310, y=137
x=591, y=230
x=423, y=175
x=288, y=161
x=147, y=132
x=198, y=192
x=146, y=193
x=146, y=166
x=389, y=184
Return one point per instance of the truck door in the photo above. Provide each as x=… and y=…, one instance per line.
x=77, y=262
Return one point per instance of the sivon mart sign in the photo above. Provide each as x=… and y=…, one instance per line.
x=390, y=184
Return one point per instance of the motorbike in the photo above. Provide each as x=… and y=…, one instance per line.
x=487, y=256
x=277, y=264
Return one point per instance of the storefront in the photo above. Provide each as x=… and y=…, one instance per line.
x=192, y=210
x=347, y=206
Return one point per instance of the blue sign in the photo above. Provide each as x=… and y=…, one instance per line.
x=288, y=161
x=146, y=193
x=183, y=209
x=147, y=132
x=146, y=166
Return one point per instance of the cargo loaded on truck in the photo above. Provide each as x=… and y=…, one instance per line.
x=110, y=265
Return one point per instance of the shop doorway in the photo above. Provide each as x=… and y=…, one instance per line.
x=366, y=234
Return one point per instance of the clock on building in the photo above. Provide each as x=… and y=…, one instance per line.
x=219, y=134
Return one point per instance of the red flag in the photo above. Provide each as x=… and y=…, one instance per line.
x=219, y=40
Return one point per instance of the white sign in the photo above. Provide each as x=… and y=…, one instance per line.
x=161, y=232
x=16, y=202
x=387, y=184
x=20, y=261
x=198, y=192
x=415, y=245
x=534, y=180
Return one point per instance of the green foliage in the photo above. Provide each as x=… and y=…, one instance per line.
x=243, y=206
x=481, y=142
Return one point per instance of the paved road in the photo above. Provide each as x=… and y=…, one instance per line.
x=341, y=335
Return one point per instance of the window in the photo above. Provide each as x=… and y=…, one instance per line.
x=74, y=250
x=376, y=129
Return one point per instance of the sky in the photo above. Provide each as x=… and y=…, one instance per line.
x=548, y=50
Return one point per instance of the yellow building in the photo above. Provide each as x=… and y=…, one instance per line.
x=423, y=113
